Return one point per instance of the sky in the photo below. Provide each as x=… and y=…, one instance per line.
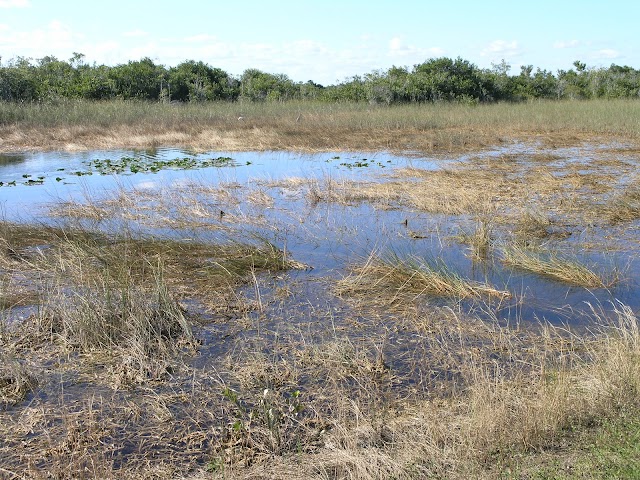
x=327, y=41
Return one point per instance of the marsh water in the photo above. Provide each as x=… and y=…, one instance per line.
x=264, y=200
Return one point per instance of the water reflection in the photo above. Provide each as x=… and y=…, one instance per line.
x=11, y=159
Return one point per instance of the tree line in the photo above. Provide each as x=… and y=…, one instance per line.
x=439, y=79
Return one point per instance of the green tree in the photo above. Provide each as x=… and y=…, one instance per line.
x=18, y=81
x=197, y=81
x=138, y=80
x=257, y=85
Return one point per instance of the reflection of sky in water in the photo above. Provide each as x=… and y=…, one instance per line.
x=327, y=237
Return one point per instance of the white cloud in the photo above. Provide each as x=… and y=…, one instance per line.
x=501, y=47
x=203, y=37
x=306, y=47
x=39, y=42
x=14, y=3
x=397, y=45
x=566, y=44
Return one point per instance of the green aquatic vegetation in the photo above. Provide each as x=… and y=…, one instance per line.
x=145, y=165
x=133, y=165
x=364, y=163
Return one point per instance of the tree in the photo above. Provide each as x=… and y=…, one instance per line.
x=257, y=85
x=140, y=80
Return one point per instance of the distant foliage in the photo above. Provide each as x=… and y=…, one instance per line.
x=436, y=80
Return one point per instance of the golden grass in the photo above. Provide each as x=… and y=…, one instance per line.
x=498, y=415
x=16, y=381
x=552, y=265
x=391, y=279
x=310, y=126
x=192, y=206
x=339, y=407
x=480, y=239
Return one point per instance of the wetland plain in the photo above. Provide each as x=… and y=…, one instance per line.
x=446, y=309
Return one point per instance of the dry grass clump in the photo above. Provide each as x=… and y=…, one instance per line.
x=16, y=381
x=452, y=191
x=552, y=265
x=191, y=206
x=349, y=192
x=601, y=378
x=119, y=295
x=143, y=328
x=625, y=206
x=391, y=279
x=480, y=239
x=532, y=225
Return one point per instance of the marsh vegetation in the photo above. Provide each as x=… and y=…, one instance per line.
x=467, y=308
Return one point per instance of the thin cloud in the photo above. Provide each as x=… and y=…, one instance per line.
x=50, y=40
x=606, y=54
x=203, y=37
x=135, y=34
x=398, y=48
x=566, y=44
x=14, y=3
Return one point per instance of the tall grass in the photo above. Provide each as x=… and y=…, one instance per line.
x=309, y=125
x=614, y=117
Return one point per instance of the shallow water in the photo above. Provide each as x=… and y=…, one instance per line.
x=327, y=237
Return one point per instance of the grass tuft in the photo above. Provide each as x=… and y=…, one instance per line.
x=552, y=265
x=392, y=279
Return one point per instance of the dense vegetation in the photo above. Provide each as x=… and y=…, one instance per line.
x=440, y=79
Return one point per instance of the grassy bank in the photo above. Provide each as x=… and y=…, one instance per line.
x=310, y=126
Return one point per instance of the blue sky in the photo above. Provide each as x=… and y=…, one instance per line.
x=324, y=40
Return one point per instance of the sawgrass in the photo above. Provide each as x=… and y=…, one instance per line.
x=308, y=125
